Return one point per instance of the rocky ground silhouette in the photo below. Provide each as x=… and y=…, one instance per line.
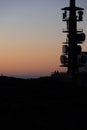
x=43, y=103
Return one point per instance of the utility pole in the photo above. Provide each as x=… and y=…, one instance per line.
x=72, y=56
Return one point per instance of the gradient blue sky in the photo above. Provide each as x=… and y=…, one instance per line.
x=31, y=36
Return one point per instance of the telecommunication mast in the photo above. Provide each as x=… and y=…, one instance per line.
x=72, y=56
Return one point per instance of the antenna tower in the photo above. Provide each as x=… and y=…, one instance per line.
x=72, y=56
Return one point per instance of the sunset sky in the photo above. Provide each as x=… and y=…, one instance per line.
x=31, y=36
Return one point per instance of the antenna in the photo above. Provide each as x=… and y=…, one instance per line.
x=72, y=52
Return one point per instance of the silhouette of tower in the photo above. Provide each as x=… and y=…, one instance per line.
x=73, y=57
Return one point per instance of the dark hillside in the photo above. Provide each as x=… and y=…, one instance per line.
x=44, y=103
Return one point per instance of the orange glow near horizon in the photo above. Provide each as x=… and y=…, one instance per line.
x=24, y=57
